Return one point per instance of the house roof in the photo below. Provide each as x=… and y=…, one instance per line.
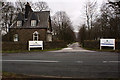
x=33, y=16
x=20, y=16
x=42, y=18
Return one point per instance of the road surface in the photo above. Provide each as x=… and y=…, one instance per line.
x=71, y=62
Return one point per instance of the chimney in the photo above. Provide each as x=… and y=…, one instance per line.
x=27, y=10
x=3, y=4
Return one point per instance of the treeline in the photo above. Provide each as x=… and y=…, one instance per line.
x=105, y=25
x=62, y=27
x=61, y=23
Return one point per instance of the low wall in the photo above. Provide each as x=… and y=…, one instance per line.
x=10, y=46
x=93, y=44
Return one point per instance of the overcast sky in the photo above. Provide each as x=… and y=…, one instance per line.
x=74, y=9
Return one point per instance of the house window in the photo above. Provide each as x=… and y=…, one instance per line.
x=15, y=37
x=35, y=36
x=49, y=37
x=19, y=23
x=33, y=22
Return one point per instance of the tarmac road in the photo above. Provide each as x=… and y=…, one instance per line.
x=71, y=62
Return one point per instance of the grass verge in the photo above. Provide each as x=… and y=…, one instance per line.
x=19, y=51
x=13, y=76
x=103, y=50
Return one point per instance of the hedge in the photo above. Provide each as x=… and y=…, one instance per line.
x=10, y=46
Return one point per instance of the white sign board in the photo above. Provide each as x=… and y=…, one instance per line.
x=107, y=42
x=35, y=44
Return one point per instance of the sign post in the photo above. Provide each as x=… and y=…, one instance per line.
x=108, y=43
x=35, y=44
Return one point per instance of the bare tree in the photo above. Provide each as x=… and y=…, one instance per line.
x=62, y=26
x=109, y=22
x=1, y=7
x=8, y=16
x=61, y=20
x=40, y=6
x=90, y=15
x=104, y=26
x=20, y=6
x=82, y=32
x=90, y=10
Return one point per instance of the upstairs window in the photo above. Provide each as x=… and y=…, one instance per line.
x=33, y=22
x=19, y=23
x=15, y=38
x=35, y=36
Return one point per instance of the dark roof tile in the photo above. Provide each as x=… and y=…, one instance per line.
x=20, y=16
x=33, y=16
